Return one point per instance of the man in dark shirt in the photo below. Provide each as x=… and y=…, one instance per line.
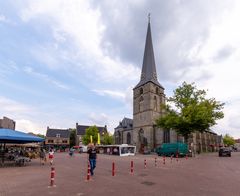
x=92, y=157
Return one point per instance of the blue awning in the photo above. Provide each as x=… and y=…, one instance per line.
x=12, y=136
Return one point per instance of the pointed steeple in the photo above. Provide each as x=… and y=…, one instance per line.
x=149, y=73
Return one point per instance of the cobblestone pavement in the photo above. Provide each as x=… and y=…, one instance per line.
x=206, y=174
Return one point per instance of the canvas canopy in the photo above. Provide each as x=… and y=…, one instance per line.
x=12, y=136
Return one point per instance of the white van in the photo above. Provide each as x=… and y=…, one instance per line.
x=82, y=148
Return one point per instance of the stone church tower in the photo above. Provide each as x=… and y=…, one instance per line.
x=148, y=95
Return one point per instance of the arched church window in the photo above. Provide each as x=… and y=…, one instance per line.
x=157, y=90
x=141, y=91
x=128, y=138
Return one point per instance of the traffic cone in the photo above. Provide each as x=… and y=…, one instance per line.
x=88, y=172
x=52, y=177
x=131, y=170
x=113, y=169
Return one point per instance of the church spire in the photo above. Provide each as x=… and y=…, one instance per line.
x=149, y=73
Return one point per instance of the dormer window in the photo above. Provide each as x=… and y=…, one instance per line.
x=141, y=91
x=57, y=135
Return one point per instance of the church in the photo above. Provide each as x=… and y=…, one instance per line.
x=148, y=95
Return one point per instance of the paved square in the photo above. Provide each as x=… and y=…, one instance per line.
x=206, y=174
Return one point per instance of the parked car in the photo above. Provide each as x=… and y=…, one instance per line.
x=172, y=149
x=224, y=151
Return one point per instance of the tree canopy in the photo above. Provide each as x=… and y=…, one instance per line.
x=228, y=140
x=189, y=110
x=107, y=139
x=91, y=131
x=72, y=137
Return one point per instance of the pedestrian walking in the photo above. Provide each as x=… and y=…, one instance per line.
x=42, y=156
x=50, y=156
x=92, y=157
x=71, y=152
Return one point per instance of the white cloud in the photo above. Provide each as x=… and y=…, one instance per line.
x=7, y=68
x=4, y=19
x=10, y=106
x=230, y=124
x=21, y=114
x=223, y=43
x=84, y=28
x=45, y=77
x=29, y=126
x=123, y=96
x=98, y=119
x=115, y=94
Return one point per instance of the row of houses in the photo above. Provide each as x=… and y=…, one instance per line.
x=60, y=138
x=57, y=138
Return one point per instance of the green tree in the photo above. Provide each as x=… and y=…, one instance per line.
x=107, y=139
x=189, y=110
x=72, y=137
x=91, y=131
x=228, y=140
x=41, y=135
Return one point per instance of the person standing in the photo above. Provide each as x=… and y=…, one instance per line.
x=92, y=157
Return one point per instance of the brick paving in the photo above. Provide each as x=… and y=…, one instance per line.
x=206, y=174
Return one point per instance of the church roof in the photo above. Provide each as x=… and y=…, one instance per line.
x=81, y=129
x=126, y=123
x=64, y=133
x=149, y=73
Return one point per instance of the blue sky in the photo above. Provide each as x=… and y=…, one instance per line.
x=63, y=62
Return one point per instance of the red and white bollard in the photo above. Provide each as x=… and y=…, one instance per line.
x=131, y=170
x=186, y=157
x=145, y=164
x=52, y=177
x=164, y=160
x=113, y=169
x=155, y=161
x=177, y=157
x=88, y=172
